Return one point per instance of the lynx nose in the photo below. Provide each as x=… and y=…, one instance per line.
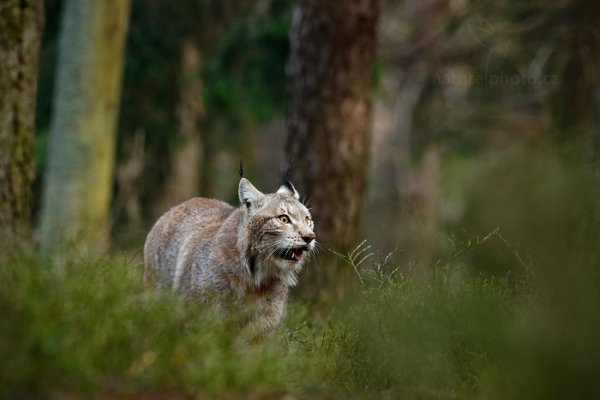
x=309, y=237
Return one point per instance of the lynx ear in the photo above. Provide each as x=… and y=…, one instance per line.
x=249, y=195
x=289, y=189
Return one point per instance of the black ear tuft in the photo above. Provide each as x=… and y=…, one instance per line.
x=286, y=175
x=241, y=170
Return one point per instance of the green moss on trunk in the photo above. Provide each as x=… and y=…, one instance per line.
x=21, y=25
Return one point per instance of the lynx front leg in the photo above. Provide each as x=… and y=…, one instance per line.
x=269, y=312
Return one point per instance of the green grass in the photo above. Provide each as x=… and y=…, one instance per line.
x=91, y=326
x=513, y=314
x=88, y=327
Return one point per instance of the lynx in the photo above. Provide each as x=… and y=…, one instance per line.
x=252, y=253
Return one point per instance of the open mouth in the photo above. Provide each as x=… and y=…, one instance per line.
x=291, y=254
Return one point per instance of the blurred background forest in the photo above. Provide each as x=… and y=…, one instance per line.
x=204, y=85
x=448, y=134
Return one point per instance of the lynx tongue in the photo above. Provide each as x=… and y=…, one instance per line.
x=297, y=254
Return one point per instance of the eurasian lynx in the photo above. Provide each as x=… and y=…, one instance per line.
x=253, y=252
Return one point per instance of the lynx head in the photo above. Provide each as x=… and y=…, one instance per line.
x=276, y=234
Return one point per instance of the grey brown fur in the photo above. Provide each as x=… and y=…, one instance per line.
x=252, y=253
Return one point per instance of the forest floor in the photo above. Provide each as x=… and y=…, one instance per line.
x=84, y=328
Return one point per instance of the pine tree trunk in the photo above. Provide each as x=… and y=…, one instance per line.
x=330, y=71
x=79, y=179
x=186, y=167
x=21, y=25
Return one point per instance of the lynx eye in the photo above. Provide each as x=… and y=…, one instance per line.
x=284, y=219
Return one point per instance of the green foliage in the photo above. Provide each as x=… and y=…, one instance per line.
x=542, y=199
x=80, y=327
x=462, y=335
x=245, y=76
x=91, y=326
x=508, y=313
x=429, y=340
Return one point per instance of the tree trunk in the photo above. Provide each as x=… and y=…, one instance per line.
x=79, y=179
x=184, y=181
x=330, y=81
x=21, y=25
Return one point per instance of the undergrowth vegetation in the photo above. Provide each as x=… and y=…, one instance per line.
x=88, y=327
x=464, y=335
x=494, y=318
